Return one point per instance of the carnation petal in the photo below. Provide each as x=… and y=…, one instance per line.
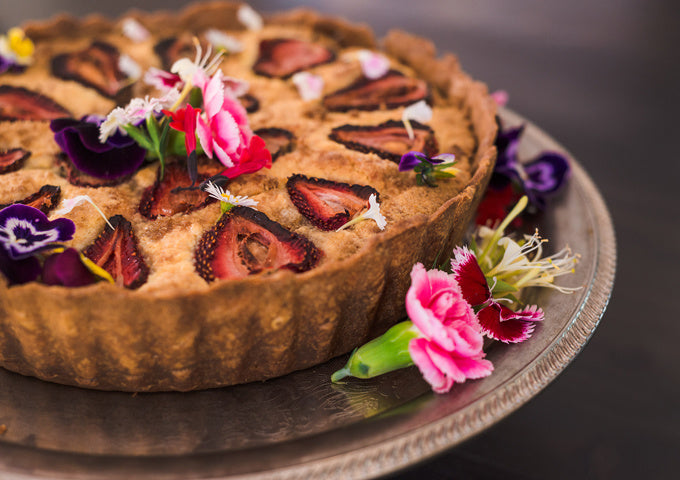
x=418, y=349
x=470, y=278
x=508, y=331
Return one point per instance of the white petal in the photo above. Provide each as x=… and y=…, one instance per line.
x=129, y=67
x=134, y=30
x=373, y=65
x=309, y=86
x=220, y=39
x=419, y=111
x=249, y=18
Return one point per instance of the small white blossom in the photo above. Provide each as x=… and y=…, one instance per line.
x=129, y=67
x=69, y=204
x=309, y=86
x=217, y=192
x=373, y=64
x=134, y=30
x=420, y=112
x=135, y=111
x=249, y=18
x=373, y=213
x=219, y=39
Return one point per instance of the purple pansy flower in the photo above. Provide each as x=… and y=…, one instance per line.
x=427, y=169
x=25, y=231
x=79, y=139
x=537, y=178
x=19, y=271
x=412, y=159
x=66, y=268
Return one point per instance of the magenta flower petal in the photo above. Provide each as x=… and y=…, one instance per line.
x=66, y=269
x=474, y=367
x=419, y=354
x=530, y=314
x=507, y=331
x=469, y=276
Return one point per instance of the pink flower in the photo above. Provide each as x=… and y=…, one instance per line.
x=497, y=321
x=223, y=130
x=450, y=348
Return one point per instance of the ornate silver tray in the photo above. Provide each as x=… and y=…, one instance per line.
x=301, y=425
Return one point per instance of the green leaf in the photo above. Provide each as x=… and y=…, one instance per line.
x=438, y=174
x=139, y=136
x=152, y=128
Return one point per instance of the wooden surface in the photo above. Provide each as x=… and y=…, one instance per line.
x=603, y=79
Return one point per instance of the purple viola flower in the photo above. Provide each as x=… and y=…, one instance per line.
x=79, y=139
x=427, y=169
x=507, y=145
x=66, y=268
x=412, y=159
x=25, y=231
x=19, y=271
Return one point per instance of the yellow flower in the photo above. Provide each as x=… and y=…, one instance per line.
x=20, y=45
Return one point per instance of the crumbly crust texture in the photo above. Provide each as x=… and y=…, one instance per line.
x=178, y=332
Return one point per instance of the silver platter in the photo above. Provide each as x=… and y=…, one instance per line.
x=302, y=426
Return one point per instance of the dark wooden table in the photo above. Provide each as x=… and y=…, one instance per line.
x=603, y=79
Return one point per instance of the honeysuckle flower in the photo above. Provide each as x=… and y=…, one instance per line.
x=186, y=69
x=372, y=213
x=16, y=51
x=226, y=198
x=25, y=231
x=309, y=86
x=427, y=169
x=134, y=30
x=129, y=67
x=249, y=18
x=68, y=204
x=118, y=156
x=220, y=39
x=373, y=65
x=420, y=112
x=497, y=321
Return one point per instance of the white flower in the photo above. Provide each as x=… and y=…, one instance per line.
x=162, y=80
x=420, y=112
x=373, y=213
x=129, y=67
x=134, y=30
x=249, y=18
x=373, y=65
x=135, y=111
x=186, y=69
x=69, y=204
x=219, y=39
x=309, y=85
x=217, y=192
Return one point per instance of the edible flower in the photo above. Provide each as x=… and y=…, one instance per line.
x=373, y=64
x=221, y=40
x=184, y=120
x=67, y=268
x=420, y=112
x=134, y=30
x=427, y=169
x=118, y=156
x=226, y=198
x=68, y=204
x=309, y=86
x=16, y=51
x=372, y=213
x=249, y=18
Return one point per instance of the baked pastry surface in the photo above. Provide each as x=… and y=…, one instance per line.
x=179, y=332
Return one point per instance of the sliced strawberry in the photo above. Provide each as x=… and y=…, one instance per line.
x=171, y=195
x=282, y=57
x=44, y=199
x=389, y=140
x=82, y=179
x=250, y=103
x=389, y=91
x=18, y=103
x=278, y=140
x=327, y=204
x=244, y=242
x=116, y=251
x=13, y=159
x=95, y=67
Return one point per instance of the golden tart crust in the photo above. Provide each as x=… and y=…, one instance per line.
x=178, y=332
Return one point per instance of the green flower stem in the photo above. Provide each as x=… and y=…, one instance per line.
x=384, y=354
x=493, y=241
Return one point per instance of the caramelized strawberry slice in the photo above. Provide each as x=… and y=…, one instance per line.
x=244, y=242
x=18, y=103
x=278, y=140
x=389, y=91
x=389, y=140
x=282, y=57
x=116, y=251
x=44, y=199
x=170, y=196
x=250, y=103
x=95, y=67
x=171, y=49
x=13, y=159
x=82, y=179
x=328, y=205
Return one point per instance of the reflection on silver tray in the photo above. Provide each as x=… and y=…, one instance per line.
x=301, y=425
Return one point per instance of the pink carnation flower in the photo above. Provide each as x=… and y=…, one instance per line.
x=450, y=348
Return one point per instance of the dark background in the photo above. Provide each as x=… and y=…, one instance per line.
x=601, y=77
